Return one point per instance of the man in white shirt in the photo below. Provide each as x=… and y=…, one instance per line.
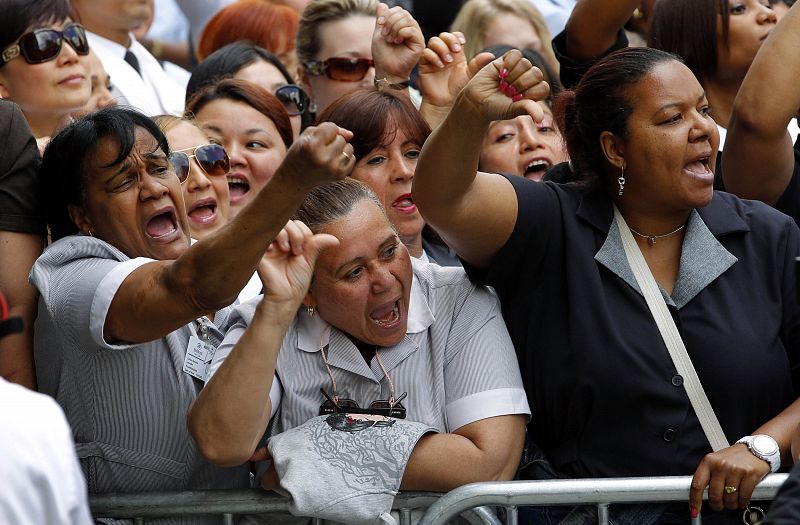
x=137, y=75
x=42, y=480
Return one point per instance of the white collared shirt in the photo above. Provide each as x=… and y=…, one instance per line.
x=456, y=362
x=154, y=92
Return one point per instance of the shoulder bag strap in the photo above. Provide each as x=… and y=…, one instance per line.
x=672, y=338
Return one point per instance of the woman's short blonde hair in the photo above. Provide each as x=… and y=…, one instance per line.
x=475, y=16
x=320, y=11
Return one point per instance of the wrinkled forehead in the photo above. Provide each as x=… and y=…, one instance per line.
x=668, y=82
x=111, y=150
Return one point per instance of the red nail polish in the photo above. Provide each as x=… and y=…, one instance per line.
x=694, y=512
x=517, y=97
x=503, y=73
x=511, y=91
x=503, y=86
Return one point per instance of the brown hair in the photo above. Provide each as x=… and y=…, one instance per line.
x=330, y=202
x=254, y=96
x=271, y=26
x=374, y=118
x=320, y=11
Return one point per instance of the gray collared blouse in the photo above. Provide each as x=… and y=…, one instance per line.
x=126, y=404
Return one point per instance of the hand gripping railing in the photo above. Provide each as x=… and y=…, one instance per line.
x=566, y=492
x=229, y=503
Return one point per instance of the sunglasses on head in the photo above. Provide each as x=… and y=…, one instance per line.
x=341, y=68
x=41, y=45
x=212, y=158
x=293, y=98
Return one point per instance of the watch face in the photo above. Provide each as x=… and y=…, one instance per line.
x=765, y=445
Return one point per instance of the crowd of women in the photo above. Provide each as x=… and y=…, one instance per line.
x=507, y=259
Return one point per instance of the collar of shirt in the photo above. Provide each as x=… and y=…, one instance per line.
x=703, y=257
x=313, y=331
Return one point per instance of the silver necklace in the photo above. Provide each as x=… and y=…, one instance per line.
x=651, y=239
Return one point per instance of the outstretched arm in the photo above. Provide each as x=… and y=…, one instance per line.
x=160, y=297
x=231, y=413
x=475, y=212
x=759, y=160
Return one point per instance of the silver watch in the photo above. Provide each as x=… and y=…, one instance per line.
x=764, y=447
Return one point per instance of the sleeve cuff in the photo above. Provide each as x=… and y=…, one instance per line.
x=103, y=296
x=490, y=403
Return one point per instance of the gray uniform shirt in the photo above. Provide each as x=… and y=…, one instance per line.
x=456, y=361
x=126, y=404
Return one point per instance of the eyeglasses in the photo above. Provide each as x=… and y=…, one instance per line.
x=383, y=407
x=212, y=158
x=293, y=98
x=41, y=45
x=341, y=68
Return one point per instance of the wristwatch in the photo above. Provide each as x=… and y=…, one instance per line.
x=764, y=447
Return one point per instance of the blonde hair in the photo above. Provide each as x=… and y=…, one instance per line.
x=320, y=11
x=475, y=16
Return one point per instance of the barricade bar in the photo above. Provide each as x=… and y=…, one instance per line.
x=199, y=502
x=575, y=492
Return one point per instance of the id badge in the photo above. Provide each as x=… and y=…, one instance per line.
x=199, y=355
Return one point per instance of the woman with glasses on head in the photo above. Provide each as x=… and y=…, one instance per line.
x=376, y=333
x=129, y=309
x=246, y=61
x=43, y=63
x=253, y=127
x=342, y=46
x=202, y=167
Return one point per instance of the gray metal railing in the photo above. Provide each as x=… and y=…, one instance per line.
x=229, y=503
x=598, y=492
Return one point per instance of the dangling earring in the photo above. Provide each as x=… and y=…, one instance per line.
x=621, y=180
x=310, y=310
x=90, y=233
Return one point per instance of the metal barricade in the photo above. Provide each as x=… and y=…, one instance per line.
x=229, y=503
x=598, y=492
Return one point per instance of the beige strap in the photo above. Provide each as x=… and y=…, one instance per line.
x=672, y=338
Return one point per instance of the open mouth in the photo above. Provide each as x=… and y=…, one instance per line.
x=238, y=186
x=404, y=203
x=386, y=316
x=699, y=167
x=162, y=225
x=203, y=211
x=536, y=169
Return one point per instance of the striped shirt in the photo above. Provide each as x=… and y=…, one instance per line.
x=126, y=403
x=456, y=361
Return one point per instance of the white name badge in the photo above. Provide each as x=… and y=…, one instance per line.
x=199, y=355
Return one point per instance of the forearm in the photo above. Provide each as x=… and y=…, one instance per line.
x=232, y=411
x=442, y=462
x=18, y=252
x=448, y=163
x=782, y=428
x=215, y=269
x=593, y=26
x=775, y=70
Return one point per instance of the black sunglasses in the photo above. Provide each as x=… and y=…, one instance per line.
x=341, y=68
x=212, y=158
x=381, y=407
x=293, y=98
x=41, y=45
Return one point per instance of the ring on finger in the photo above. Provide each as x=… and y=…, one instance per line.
x=730, y=489
x=346, y=155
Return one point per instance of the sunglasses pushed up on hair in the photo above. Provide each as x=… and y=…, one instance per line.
x=341, y=68
x=211, y=158
x=42, y=45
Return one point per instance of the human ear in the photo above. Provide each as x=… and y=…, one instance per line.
x=613, y=149
x=81, y=219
